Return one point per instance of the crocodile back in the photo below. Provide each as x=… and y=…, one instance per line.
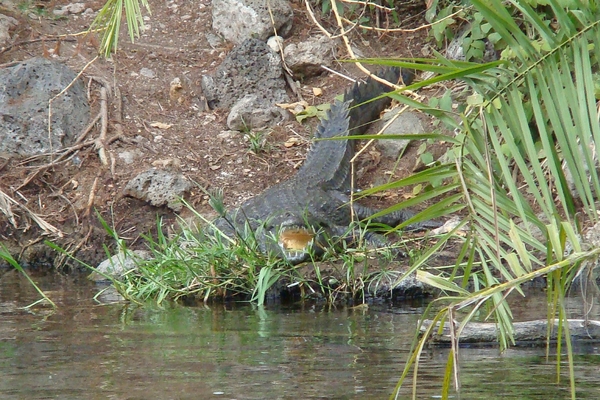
x=328, y=161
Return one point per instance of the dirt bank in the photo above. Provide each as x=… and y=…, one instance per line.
x=64, y=197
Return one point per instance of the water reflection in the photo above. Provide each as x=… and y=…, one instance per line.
x=88, y=351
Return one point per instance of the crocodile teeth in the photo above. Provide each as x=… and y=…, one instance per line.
x=295, y=242
x=295, y=239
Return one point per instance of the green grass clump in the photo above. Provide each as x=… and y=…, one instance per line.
x=201, y=266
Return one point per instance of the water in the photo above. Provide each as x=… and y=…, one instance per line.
x=84, y=350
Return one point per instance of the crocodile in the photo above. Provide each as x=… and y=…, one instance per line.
x=297, y=218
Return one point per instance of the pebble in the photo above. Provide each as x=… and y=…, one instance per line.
x=275, y=43
x=148, y=73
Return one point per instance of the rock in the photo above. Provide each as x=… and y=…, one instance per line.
x=409, y=288
x=252, y=113
x=128, y=157
x=109, y=294
x=119, y=264
x=148, y=73
x=249, y=69
x=76, y=8
x=159, y=188
x=408, y=122
x=25, y=91
x=306, y=58
x=6, y=25
x=73, y=8
x=238, y=20
x=275, y=43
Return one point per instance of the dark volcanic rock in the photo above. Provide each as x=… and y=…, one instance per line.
x=25, y=91
x=251, y=68
x=238, y=20
x=159, y=188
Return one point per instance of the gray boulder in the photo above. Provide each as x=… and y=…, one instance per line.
x=25, y=90
x=252, y=113
x=408, y=122
x=251, y=68
x=306, y=58
x=159, y=188
x=119, y=264
x=238, y=20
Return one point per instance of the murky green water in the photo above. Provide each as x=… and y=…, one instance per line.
x=88, y=351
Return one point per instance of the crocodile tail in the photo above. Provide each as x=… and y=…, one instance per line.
x=362, y=111
x=328, y=162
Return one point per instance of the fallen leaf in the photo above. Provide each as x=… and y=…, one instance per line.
x=215, y=167
x=160, y=125
x=293, y=141
x=294, y=108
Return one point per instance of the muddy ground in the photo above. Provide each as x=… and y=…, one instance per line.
x=174, y=45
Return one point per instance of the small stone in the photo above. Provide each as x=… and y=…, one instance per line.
x=127, y=157
x=60, y=11
x=317, y=91
x=148, y=73
x=227, y=134
x=75, y=8
x=275, y=43
x=119, y=264
x=167, y=163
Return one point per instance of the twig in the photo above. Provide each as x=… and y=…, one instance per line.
x=100, y=142
x=88, y=128
x=338, y=73
x=329, y=35
x=6, y=199
x=113, y=162
x=312, y=16
x=119, y=104
x=285, y=67
x=60, y=260
x=23, y=42
x=92, y=196
x=292, y=84
x=65, y=152
x=404, y=30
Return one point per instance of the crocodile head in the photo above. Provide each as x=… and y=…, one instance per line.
x=294, y=237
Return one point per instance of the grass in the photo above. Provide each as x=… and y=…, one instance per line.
x=193, y=265
x=4, y=254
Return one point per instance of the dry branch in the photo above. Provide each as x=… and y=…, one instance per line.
x=525, y=333
x=6, y=201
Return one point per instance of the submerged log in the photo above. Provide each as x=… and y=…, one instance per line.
x=526, y=333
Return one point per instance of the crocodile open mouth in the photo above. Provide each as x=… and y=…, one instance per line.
x=295, y=242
